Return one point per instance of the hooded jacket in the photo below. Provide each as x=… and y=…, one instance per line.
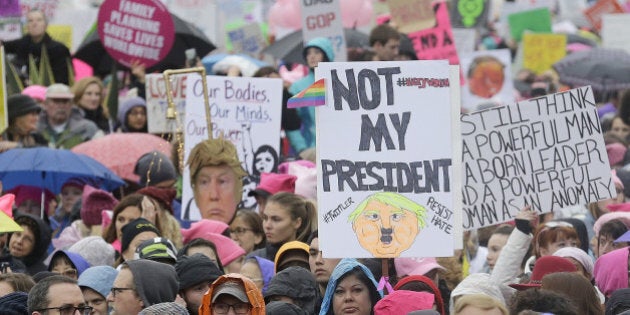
x=80, y=264
x=251, y=290
x=34, y=260
x=343, y=267
x=155, y=282
x=305, y=138
x=439, y=302
x=297, y=283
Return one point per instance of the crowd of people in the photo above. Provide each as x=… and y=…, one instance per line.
x=130, y=252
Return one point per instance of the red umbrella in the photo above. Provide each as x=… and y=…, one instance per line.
x=120, y=151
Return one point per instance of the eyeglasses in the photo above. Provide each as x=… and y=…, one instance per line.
x=224, y=308
x=70, y=273
x=239, y=231
x=70, y=310
x=115, y=290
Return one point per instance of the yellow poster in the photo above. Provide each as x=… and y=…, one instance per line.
x=4, y=117
x=61, y=33
x=541, y=51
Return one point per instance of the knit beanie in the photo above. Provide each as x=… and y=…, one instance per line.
x=155, y=282
x=171, y=308
x=20, y=105
x=93, y=202
x=279, y=307
x=164, y=196
x=95, y=250
x=154, y=167
x=134, y=228
x=14, y=304
x=195, y=269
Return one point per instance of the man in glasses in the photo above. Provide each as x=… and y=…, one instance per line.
x=232, y=294
x=57, y=295
x=140, y=284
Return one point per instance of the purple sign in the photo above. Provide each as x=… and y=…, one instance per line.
x=9, y=8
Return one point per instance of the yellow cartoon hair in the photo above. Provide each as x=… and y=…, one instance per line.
x=392, y=199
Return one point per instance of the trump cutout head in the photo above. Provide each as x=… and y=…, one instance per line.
x=386, y=223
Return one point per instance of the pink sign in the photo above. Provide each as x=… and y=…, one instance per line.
x=437, y=42
x=136, y=30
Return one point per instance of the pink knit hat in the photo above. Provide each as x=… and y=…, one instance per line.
x=93, y=202
x=272, y=183
x=36, y=92
x=210, y=230
x=616, y=152
x=200, y=228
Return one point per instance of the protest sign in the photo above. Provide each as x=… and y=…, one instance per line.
x=61, y=33
x=614, y=34
x=245, y=111
x=136, y=30
x=547, y=152
x=384, y=183
x=437, y=42
x=541, y=51
x=10, y=8
x=157, y=104
x=47, y=6
x=595, y=12
x=412, y=15
x=465, y=39
x=488, y=79
x=4, y=114
x=10, y=29
x=247, y=39
x=537, y=20
x=323, y=19
x=469, y=13
x=456, y=174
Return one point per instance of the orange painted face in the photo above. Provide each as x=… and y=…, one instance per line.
x=486, y=80
x=384, y=230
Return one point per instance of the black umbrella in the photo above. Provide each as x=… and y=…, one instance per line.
x=187, y=36
x=289, y=48
x=606, y=70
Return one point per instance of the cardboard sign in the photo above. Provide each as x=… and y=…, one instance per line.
x=247, y=112
x=541, y=51
x=546, y=152
x=379, y=188
x=412, y=15
x=537, y=21
x=4, y=114
x=157, y=104
x=614, y=34
x=469, y=13
x=323, y=19
x=488, y=79
x=595, y=12
x=247, y=39
x=136, y=30
x=10, y=8
x=437, y=42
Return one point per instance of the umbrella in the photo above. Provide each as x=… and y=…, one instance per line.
x=120, y=151
x=289, y=48
x=51, y=168
x=247, y=64
x=187, y=36
x=606, y=70
x=6, y=212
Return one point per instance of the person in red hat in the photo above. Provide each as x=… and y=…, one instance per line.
x=545, y=265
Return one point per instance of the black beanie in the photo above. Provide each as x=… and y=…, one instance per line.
x=14, y=304
x=196, y=269
x=154, y=167
x=20, y=105
x=134, y=228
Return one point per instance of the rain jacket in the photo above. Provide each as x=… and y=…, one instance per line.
x=35, y=260
x=77, y=131
x=284, y=308
x=266, y=267
x=343, y=267
x=305, y=138
x=79, y=263
x=611, y=271
x=403, y=302
x=251, y=290
x=297, y=283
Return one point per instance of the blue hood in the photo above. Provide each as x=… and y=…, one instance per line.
x=322, y=43
x=343, y=267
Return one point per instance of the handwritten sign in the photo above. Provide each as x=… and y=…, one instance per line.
x=247, y=39
x=469, y=13
x=488, y=79
x=595, y=12
x=537, y=21
x=437, y=42
x=614, y=33
x=546, y=152
x=246, y=111
x=157, y=104
x=541, y=51
x=412, y=15
x=10, y=29
x=379, y=188
x=136, y=30
x=323, y=19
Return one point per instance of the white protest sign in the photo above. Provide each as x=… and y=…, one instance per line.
x=323, y=19
x=246, y=111
x=456, y=174
x=488, y=79
x=384, y=153
x=613, y=31
x=546, y=152
x=157, y=104
x=465, y=39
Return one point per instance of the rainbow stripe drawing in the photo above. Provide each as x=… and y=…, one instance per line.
x=314, y=95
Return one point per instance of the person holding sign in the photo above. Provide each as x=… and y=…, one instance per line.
x=317, y=50
x=216, y=176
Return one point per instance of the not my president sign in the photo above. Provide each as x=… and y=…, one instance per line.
x=546, y=152
x=385, y=159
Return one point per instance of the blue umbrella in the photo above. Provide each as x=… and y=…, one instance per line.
x=210, y=60
x=51, y=168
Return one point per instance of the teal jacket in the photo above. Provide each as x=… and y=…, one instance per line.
x=305, y=137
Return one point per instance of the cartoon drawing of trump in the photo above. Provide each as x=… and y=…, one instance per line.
x=386, y=223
